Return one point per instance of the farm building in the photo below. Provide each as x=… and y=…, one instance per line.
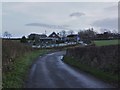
x=73, y=38
x=53, y=39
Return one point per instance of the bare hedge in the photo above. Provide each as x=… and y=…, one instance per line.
x=10, y=51
x=104, y=57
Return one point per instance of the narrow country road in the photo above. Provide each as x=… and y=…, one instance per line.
x=50, y=72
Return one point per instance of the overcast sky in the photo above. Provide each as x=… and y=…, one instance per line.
x=35, y=17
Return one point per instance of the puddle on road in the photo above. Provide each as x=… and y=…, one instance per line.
x=60, y=57
x=60, y=60
x=50, y=54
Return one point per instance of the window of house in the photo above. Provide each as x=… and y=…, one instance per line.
x=53, y=35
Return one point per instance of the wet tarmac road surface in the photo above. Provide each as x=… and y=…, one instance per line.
x=49, y=71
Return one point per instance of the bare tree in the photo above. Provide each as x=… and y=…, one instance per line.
x=87, y=35
x=7, y=34
x=71, y=32
x=63, y=33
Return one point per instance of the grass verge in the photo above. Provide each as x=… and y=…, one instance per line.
x=106, y=42
x=105, y=76
x=16, y=77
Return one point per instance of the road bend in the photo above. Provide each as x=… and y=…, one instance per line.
x=49, y=71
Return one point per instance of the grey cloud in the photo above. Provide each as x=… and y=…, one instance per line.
x=77, y=14
x=48, y=25
x=108, y=23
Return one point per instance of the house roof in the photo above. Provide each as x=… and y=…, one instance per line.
x=53, y=35
x=72, y=35
x=42, y=35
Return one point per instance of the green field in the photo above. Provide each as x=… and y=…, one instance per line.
x=106, y=42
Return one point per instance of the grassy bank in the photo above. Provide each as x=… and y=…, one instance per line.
x=12, y=50
x=106, y=42
x=15, y=78
x=105, y=76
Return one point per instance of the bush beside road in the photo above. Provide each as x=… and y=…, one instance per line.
x=17, y=59
x=99, y=61
x=16, y=77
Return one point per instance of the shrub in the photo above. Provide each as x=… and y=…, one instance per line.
x=104, y=58
x=23, y=39
x=11, y=49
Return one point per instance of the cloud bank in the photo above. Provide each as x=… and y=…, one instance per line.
x=77, y=14
x=48, y=25
x=108, y=23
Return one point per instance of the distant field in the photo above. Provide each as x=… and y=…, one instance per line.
x=106, y=42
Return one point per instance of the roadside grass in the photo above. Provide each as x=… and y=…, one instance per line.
x=16, y=77
x=105, y=76
x=106, y=42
